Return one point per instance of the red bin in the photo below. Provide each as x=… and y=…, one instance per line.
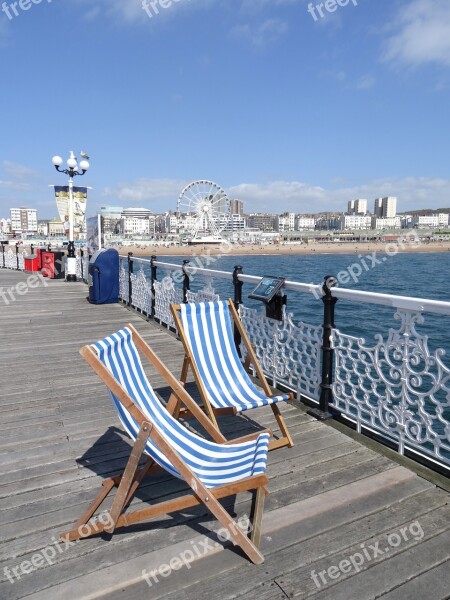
x=52, y=264
x=38, y=254
x=31, y=263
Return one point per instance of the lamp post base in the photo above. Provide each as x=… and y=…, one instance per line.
x=71, y=274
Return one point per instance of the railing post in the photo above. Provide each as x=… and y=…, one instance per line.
x=153, y=269
x=81, y=263
x=130, y=272
x=237, y=283
x=326, y=391
x=186, y=281
x=17, y=255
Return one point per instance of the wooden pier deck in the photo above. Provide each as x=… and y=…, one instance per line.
x=342, y=521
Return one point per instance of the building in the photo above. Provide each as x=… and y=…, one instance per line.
x=262, y=221
x=136, y=213
x=328, y=223
x=286, y=222
x=23, y=220
x=5, y=226
x=386, y=223
x=137, y=226
x=385, y=208
x=355, y=222
x=171, y=221
x=55, y=228
x=43, y=228
x=305, y=223
x=136, y=222
x=111, y=216
x=237, y=207
x=236, y=223
x=430, y=221
x=357, y=207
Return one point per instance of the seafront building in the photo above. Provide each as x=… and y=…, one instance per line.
x=357, y=207
x=305, y=223
x=141, y=223
x=439, y=220
x=23, y=221
x=386, y=223
x=286, y=222
x=385, y=208
x=237, y=207
x=355, y=221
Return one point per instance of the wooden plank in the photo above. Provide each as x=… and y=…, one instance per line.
x=398, y=568
x=323, y=497
x=435, y=581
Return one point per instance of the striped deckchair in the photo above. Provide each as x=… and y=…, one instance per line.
x=211, y=470
x=206, y=330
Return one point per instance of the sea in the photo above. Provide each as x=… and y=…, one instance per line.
x=420, y=275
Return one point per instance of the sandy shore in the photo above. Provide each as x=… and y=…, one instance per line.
x=390, y=248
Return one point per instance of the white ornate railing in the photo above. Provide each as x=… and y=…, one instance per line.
x=10, y=258
x=289, y=351
x=396, y=386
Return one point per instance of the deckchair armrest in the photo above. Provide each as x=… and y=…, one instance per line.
x=248, y=438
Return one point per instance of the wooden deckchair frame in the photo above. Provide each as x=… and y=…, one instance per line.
x=174, y=404
x=129, y=481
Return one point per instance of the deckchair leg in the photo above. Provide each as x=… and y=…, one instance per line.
x=107, y=486
x=286, y=440
x=124, y=494
x=140, y=474
x=258, y=509
x=237, y=535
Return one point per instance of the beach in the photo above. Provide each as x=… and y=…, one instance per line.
x=390, y=248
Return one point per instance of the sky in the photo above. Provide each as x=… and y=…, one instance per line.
x=285, y=104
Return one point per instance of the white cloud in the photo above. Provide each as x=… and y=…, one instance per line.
x=148, y=190
x=293, y=196
x=279, y=196
x=422, y=34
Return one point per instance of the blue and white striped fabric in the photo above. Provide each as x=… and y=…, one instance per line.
x=214, y=464
x=209, y=332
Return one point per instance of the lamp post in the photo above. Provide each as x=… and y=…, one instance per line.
x=72, y=170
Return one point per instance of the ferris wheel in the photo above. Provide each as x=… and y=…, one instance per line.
x=204, y=207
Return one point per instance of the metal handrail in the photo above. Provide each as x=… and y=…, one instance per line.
x=392, y=300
